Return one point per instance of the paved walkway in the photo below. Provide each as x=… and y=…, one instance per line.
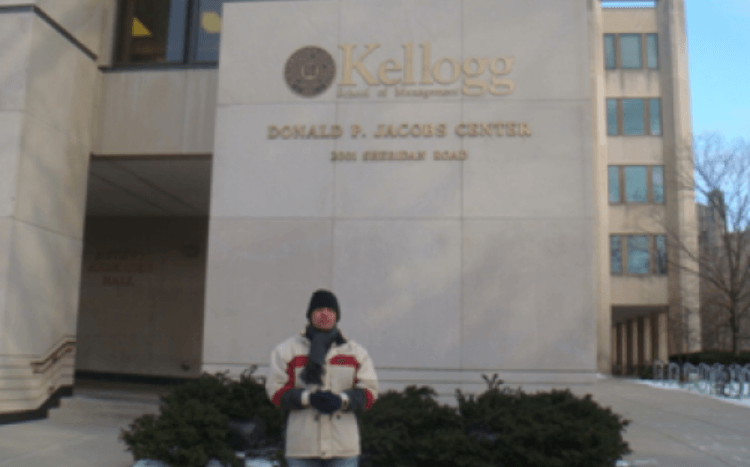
x=669, y=428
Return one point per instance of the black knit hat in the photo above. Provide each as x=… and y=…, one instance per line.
x=323, y=299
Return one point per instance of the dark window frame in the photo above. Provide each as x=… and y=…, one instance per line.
x=644, y=50
x=649, y=185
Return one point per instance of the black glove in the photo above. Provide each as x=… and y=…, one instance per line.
x=325, y=401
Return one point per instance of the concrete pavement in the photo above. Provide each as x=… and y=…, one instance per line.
x=668, y=429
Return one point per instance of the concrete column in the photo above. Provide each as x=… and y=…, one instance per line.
x=599, y=172
x=634, y=341
x=662, y=337
x=47, y=95
x=648, y=356
x=613, y=344
x=623, y=345
x=681, y=222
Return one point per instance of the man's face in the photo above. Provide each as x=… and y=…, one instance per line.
x=323, y=319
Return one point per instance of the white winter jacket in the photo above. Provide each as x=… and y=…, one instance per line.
x=310, y=433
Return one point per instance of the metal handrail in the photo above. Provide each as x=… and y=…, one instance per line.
x=64, y=347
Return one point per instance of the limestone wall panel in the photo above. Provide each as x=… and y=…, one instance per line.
x=272, y=177
x=406, y=189
x=629, y=20
x=261, y=274
x=143, y=112
x=528, y=284
x=549, y=58
x=258, y=63
x=635, y=150
x=513, y=176
x=81, y=18
x=398, y=285
x=635, y=84
x=10, y=153
x=15, y=35
x=200, y=112
x=52, y=174
x=42, y=294
x=635, y=291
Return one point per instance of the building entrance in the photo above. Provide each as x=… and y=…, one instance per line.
x=143, y=270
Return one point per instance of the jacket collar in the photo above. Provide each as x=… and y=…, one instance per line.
x=339, y=340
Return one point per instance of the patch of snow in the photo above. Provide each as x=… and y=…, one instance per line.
x=691, y=388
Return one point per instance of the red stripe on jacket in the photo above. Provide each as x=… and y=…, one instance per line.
x=349, y=360
x=297, y=362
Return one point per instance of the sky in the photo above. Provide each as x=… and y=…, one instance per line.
x=718, y=40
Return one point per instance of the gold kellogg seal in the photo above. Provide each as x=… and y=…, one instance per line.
x=309, y=71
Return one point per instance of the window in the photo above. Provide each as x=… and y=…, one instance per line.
x=633, y=117
x=643, y=254
x=614, y=184
x=631, y=51
x=657, y=181
x=638, y=254
x=636, y=184
x=661, y=254
x=652, y=51
x=612, y=117
x=616, y=254
x=610, y=61
x=654, y=112
x=169, y=31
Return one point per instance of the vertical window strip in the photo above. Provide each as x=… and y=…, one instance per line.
x=661, y=254
x=614, y=184
x=652, y=51
x=636, y=184
x=638, y=254
x=610, y=61
x=657, y=177
x=612, y=120
x=654, y=106
x=631, y=51
x=615, y=246
x=633, y=113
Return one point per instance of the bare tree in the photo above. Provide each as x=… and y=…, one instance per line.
x=721, y=180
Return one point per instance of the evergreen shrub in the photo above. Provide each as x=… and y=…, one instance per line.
x=550, y=429
x=192, y=425
x=500, y=427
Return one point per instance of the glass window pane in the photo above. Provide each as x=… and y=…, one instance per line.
x=611, y=117
x=208, y=30
x=632, y=117
x=614, y=184
x=638, y=260
x=654, y=110
x=156, y=33
x=630, y=51
x=652, y=51
x=635, y=184
x=661, y=254
x=657, y=179
x=609, y=51
x=615, y=254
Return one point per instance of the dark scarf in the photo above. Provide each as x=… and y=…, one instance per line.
x=320, y=342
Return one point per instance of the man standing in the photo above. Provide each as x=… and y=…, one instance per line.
x=324, y=380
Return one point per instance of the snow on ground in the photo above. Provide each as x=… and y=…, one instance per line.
x=699, y=387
